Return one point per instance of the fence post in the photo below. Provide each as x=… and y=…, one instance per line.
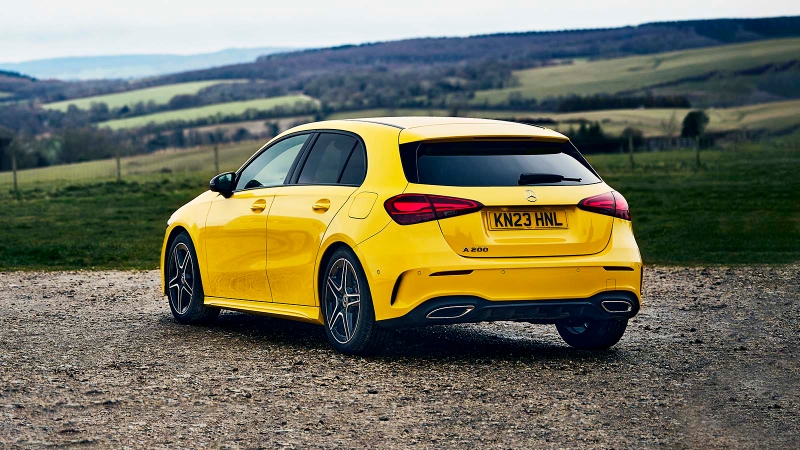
x=119, y=168
x=216, y=158
x=697, y=149
x=14, y=169
x=630, y=148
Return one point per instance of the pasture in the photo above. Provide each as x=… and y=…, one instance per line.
x=158, y=94
x=775, y=116
x=631, y=74
x=739, y=207
x=217, y=110
x=192, y=162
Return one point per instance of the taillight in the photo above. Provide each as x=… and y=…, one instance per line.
x=408, y=209
x=610, y=204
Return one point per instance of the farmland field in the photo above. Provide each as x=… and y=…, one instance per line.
x=219, y=109
x=738, y=208
x=158, y=94
x=635, y=73
x=775, y=116
x=198, y=162
x=5, y=94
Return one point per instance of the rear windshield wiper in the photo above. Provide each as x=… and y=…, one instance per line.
x=540, y=178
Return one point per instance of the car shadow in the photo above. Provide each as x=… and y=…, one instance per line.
x=452, y=343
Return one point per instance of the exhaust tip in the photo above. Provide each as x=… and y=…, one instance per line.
x=450, y=312
x=617, y=306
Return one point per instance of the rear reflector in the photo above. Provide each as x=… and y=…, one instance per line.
x=408, y=209
x=610, y=204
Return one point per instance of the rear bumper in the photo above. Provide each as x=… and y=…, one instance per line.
x=408, y=266
x=469, y=309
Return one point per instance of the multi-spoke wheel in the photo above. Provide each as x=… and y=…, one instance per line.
x=184, y=287
x=181, y=282
x=592, y=334
x=347, y=306
x=342, y=301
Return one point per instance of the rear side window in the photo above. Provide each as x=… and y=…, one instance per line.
x=356, y=168
x=496, y=163
x=327, y=161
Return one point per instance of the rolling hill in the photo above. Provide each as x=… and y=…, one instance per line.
x=134, y=66
x=219, y=109
x=685, y=72
x=158, y=94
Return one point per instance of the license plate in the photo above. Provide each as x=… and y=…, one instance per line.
x=526, y=220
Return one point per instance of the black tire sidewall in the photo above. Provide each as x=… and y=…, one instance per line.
x=599, y=335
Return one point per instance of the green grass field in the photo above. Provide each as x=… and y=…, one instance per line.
x=192, y=162
x=775, y=116
x=219, y=109
x=159, y=94
x=638, y=72
x=740, y=207
x=5, y=94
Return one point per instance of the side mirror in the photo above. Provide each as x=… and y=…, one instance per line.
x=223, y=183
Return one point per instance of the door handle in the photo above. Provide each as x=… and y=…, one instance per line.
x=321, y=206
x=258, y=206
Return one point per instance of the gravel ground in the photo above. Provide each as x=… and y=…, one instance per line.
x=94, y=359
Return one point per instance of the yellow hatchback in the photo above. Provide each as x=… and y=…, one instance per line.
x=368, y=225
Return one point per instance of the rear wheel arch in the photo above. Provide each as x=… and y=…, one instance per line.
x=323, y=263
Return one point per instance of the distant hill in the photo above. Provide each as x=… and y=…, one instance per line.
x=513, y=50
x=133, y=66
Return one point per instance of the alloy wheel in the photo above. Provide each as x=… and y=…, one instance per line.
x=181, y=282
x=342, y=301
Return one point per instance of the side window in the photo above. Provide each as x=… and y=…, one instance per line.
x=271, y=167
x=356, y=168
x=327, y=158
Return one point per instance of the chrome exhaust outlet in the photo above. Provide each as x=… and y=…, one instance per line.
x=450, y=312
x=616, y=306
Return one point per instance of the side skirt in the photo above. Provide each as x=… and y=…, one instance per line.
x=311, y=314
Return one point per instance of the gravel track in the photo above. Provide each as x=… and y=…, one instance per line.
x=95, y=360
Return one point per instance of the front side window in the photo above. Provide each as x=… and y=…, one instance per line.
x=271, y=167
x=327, y=159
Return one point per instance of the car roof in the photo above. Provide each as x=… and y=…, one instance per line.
x=431, y=128
x=416, y=129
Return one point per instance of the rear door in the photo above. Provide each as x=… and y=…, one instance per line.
x=326, y=177
x=530, y=191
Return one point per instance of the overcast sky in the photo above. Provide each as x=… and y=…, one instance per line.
x=34, y=29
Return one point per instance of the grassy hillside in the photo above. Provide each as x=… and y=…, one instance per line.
x=194, y=161
x=740, y=207
x=159, y=95
x=5, y=94
x=775, y=116
x=633, y=74
x=207, y=111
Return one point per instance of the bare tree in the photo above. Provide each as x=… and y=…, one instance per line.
x=670, y=127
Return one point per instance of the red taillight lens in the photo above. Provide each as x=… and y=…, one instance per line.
x=407, y=209
x=623, y=212
x=610, y=204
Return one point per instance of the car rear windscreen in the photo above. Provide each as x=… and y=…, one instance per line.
x=496, y=163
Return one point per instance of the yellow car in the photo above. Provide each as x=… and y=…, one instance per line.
x=368, y=225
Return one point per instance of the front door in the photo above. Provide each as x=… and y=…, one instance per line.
x=302, y=211
x=236, y=227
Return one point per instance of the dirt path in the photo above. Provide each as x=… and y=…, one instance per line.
x=96, y=360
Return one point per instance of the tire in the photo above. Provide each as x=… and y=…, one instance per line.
x=592, y=334
x=184, y=286
x=347, y=306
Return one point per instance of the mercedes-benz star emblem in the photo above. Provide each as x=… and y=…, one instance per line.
x=531, y=196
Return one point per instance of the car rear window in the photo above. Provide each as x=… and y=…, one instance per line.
x=495, y=163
